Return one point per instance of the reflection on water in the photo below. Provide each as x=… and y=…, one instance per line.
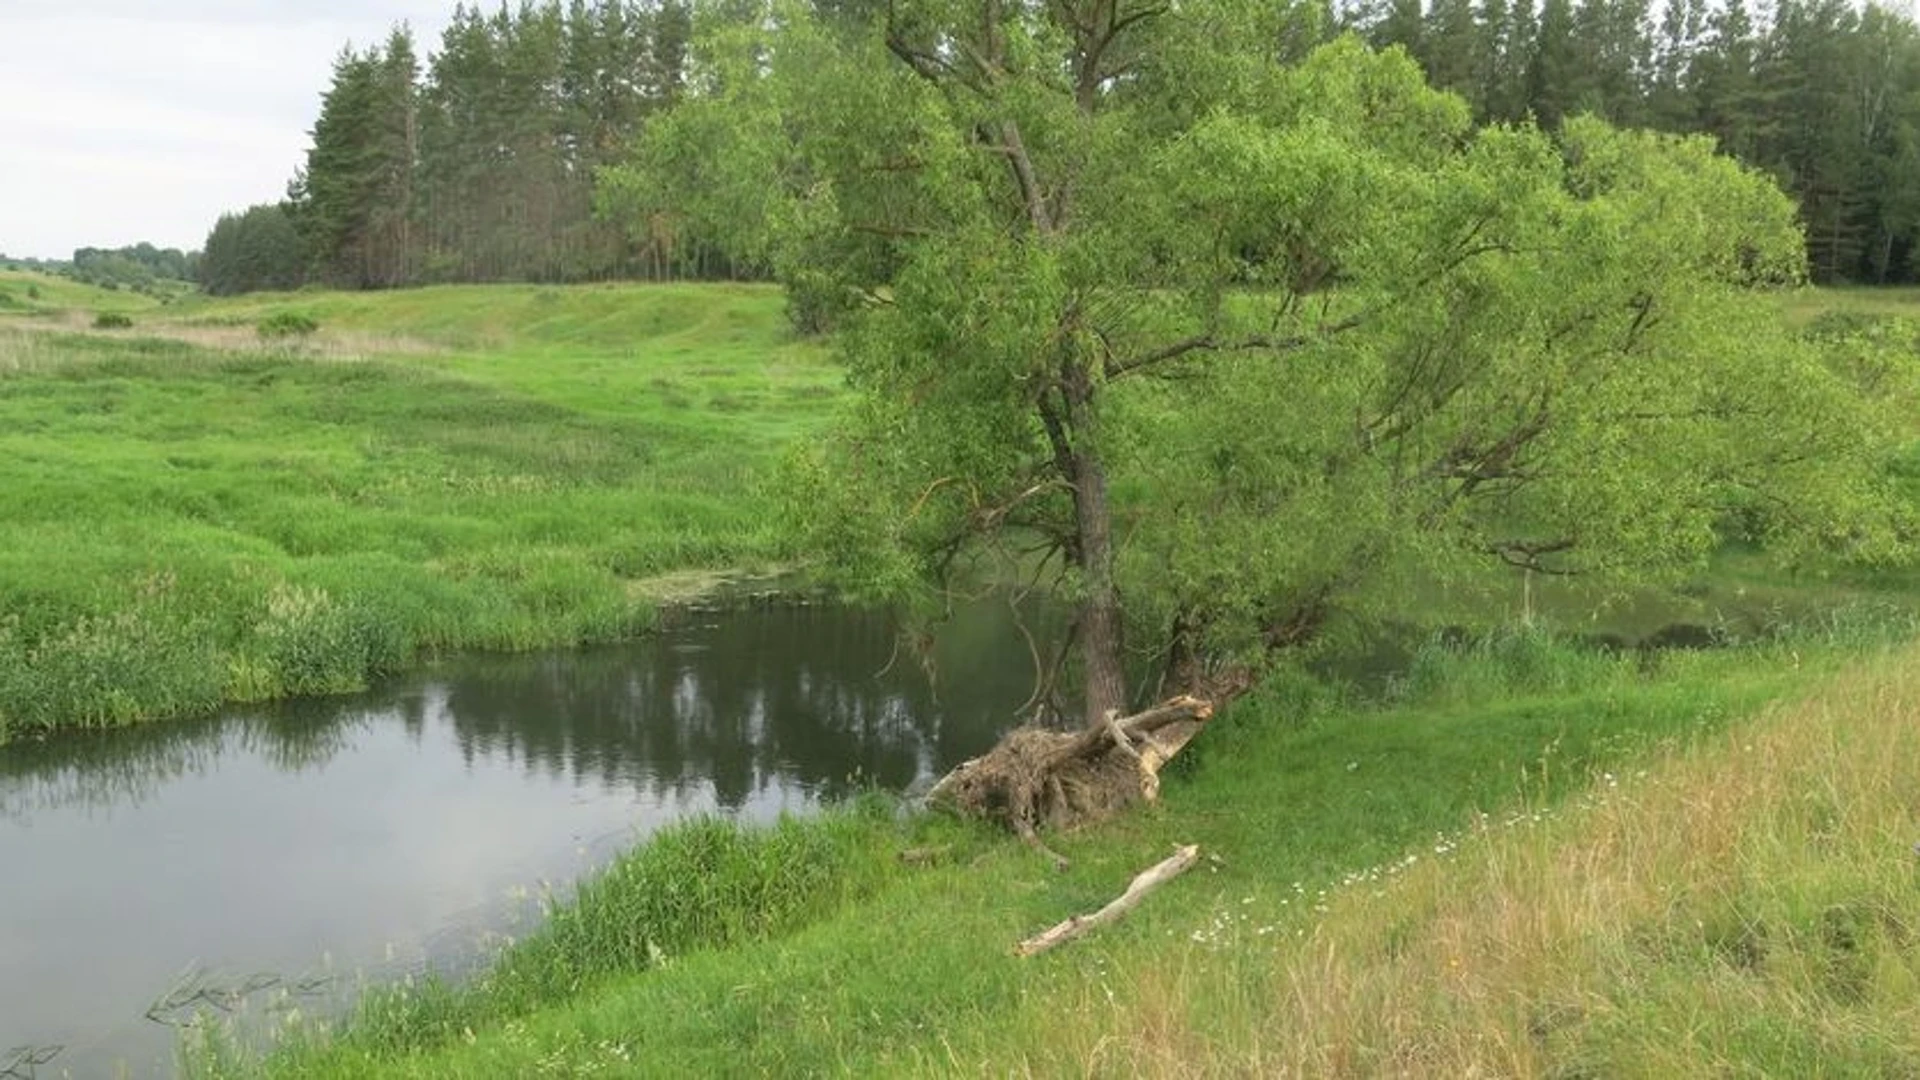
x=371, y=835
x=742, y=705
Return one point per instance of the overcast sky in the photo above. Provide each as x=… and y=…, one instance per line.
x=130, y=120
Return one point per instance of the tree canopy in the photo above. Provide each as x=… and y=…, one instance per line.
x=1231, y=344
x=254, y=250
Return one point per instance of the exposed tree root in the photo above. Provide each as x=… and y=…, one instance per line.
x=1036, y=779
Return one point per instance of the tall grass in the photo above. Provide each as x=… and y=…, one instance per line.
x=704, y=884
x=1745, y=906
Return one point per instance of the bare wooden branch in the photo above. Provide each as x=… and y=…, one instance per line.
x=1143, y=883
x=1214, y=343
x=1141, y=724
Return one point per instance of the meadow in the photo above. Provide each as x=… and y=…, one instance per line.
x=193, y=513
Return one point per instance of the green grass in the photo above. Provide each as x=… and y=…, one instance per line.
x=46, y=295
x=190, y=515
x=811, y=950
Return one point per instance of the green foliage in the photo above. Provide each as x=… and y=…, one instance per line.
x=140, y=268
x=288, y=324
x=139, y=663
x=351, y=203
x=112, y=320
x=1313, y=334
x=1818, y=93
x=255, y=250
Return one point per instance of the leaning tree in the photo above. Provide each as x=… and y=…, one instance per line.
x=1225, y=341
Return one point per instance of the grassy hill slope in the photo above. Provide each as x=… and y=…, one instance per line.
x=25, y=292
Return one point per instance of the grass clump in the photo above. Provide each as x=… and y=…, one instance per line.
x=697, y=886
x=282, y=325
x=113, y=320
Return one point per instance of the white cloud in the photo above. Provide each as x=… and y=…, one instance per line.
x=126, y=120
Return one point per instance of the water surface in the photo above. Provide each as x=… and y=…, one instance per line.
x=281, y=856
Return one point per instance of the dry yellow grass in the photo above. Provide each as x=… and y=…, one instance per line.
x=1746, y=907
x=17, y=335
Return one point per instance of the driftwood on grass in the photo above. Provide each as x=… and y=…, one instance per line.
x=1145, y=882
x=926, y=856
x=1037, y=779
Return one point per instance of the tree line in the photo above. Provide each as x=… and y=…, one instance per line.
x=140, y=267
x=482, y=161
x=478, y=162
x=1822, y=94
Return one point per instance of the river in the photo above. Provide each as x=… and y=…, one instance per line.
x=281, y=856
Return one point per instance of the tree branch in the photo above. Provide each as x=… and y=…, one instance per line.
x=1145, y=882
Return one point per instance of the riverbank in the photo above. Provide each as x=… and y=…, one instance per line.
x=196, y=514
x=1348, y=845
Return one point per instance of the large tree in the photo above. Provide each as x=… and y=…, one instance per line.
x=1230, y=345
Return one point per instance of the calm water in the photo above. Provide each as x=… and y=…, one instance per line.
x=283, y=856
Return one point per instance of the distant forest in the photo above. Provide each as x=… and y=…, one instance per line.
x=138, y=267
x=480, y=162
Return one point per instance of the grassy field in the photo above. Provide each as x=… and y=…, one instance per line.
x=1378, y=898
x=191, y=514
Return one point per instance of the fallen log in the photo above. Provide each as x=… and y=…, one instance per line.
x=1143, y=883
x=1035, y=779
x=925, y=856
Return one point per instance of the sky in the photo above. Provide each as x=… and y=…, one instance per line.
x=131, y=120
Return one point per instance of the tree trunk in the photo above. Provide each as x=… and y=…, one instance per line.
x=1099, y=616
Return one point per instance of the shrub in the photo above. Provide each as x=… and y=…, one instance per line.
x=112, y=320
x=287, y=324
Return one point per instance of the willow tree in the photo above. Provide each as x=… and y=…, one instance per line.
x=1228, y=344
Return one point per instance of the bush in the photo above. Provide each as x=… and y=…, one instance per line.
x=287, y=324
x=112, y=320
